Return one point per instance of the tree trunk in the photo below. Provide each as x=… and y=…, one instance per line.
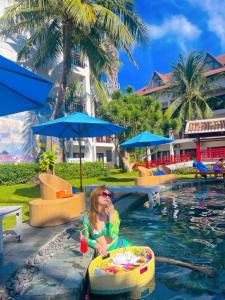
x=66, y=66
x=59, y=109
x=199, y=268
x=128, y=166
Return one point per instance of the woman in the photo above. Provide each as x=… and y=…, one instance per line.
x=101, y=223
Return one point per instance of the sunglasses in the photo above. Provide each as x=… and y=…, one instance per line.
x=105, y=195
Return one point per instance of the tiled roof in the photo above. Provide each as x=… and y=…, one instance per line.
x=215, y=71
x=221, y=59
x=146, y=91
x=205, y=126
x=164, y=76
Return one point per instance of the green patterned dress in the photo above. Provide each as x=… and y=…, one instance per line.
x=111, y=229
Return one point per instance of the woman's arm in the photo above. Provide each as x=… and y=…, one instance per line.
x=114, y=224
x=86, y=232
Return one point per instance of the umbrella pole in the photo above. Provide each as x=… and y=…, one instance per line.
x=81, y=186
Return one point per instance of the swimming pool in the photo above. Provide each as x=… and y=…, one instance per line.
x=187, y=224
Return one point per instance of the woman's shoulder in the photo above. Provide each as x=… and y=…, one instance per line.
x=84, y=217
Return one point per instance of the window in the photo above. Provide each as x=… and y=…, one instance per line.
x=109, y=155
x=77, y=155
x=100, y=157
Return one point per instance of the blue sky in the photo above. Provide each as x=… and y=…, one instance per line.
x=175, y=26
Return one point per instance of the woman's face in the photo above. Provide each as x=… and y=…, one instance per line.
x=104, y=198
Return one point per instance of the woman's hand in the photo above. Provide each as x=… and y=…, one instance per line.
x=101, y=249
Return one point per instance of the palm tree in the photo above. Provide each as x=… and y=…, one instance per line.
x=56, y=27
x=189, y=90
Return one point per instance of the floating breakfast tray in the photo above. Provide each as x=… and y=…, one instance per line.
x=122, y=281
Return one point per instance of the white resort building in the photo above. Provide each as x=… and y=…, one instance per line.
x=93, y=149
x=201, y=137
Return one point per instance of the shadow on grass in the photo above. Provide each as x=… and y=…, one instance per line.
x=115, y=179
x=29, y=192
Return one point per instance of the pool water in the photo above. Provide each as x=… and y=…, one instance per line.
x=187, y=224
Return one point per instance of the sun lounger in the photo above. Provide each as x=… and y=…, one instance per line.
x=154, y=176
x=203, y=171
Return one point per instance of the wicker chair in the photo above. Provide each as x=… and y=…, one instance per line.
x=50, y=210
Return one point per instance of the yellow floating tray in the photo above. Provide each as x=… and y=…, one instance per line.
x=120, y=282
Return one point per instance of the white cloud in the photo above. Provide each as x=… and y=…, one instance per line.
x=216, y=17
x=11, y=130
x=178, y=29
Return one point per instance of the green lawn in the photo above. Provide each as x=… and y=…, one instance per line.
x=21, y=194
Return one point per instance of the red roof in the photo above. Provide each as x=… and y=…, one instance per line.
x=221, y=59
x=146, y=91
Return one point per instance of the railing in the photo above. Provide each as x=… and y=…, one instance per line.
x=167, y=160
x=212, y=154
x=104, y=139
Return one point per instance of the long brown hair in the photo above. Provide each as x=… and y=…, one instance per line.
x=94, y=205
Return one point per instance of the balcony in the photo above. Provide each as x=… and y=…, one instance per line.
x=76, y=106
x=104, y=139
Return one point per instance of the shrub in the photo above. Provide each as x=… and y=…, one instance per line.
x=11, y=174
x=72, y=171
x=185, y=171
x=17, y=173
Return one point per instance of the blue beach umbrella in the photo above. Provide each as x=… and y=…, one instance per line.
x=20, y=89
x=77, y=125
x=145, y=139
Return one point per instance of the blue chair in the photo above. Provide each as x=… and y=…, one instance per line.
x=202, y=170
x=159, y=173
x=74, y=190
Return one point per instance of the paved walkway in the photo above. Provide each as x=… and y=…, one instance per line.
x=15, y=253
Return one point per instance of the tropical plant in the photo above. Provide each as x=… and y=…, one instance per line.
x=52, y=159
x=47, y=162
x=189, y=90
x=44, y=163
x=57, y=27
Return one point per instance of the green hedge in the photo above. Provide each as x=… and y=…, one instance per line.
x=72, y=171
x=17, y=173
x=185, y=171
x=11, y=174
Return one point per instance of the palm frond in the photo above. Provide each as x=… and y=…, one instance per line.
x=100, y=90
x=82, y=12
x=47, y=39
